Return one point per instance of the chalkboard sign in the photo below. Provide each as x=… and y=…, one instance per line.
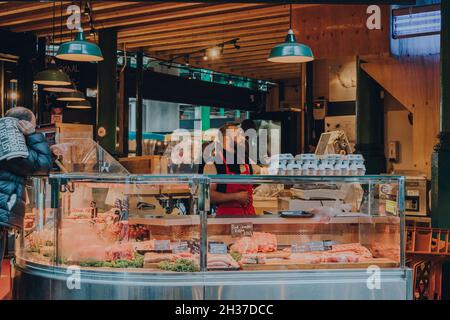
x=242, y=229
x=162, y=245
x=299, y=247
x=194, y=245
x=181, y=246
x=217, y=248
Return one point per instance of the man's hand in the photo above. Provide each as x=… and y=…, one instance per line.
x=243, y=197
x=26, y=127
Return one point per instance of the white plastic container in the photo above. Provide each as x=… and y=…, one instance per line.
x=326, y=166
x=356, y=165
x=342, y=166
x=310, y=164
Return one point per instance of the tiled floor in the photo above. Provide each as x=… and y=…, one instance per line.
x=5, y=281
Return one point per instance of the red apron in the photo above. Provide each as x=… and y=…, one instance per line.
x=234, y=207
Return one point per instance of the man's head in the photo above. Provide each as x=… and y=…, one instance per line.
x=22, y=113
x=229, y=132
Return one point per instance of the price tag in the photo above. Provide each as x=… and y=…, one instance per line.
x=218, y=248
x=162, y=245
x=194, y=245
x=181, y=246
x=299, y=248
x=391, y=207
x=242, y=229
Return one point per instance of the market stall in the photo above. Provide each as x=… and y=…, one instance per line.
x=104, y=236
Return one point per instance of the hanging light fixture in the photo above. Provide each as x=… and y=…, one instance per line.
x=79, y=105
x=290, y=51
x=80, y=49
x=60, y=89
x=71, y=96
x=52, y=76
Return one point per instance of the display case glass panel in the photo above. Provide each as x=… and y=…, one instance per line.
x=295, y=223
x=117, y=223
x=173, y=223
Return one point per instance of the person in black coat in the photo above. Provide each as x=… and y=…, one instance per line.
x=14, y=172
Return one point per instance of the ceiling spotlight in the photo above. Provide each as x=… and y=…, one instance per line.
x=214, y=53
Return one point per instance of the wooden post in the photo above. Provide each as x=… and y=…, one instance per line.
x=440, y=168
x=106, y=90
x=139, y=100
x=370, y=123
x=440, y=163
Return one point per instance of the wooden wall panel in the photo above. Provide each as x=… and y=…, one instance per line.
x=415, y=83
x=335, y=31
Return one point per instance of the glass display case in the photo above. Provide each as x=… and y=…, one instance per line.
x=115, y=222
x=311, y=223
x=165, y=236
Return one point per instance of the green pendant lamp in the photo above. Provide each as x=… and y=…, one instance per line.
x=60, y=89
x=52, y=77
x=71, y=96
x=79, y=105
x=290, y=51
x=80, y=50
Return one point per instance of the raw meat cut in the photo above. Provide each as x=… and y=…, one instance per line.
x=344, y=253
x=244, y=245
x=123, y=251
x=385, y=250
x=221, y=261
x=258, y=242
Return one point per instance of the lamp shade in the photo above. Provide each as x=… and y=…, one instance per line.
x=71, y=96
x=80, y=50
x=79, y=105
x=290, y=51
x=52, y=77
x=59, y=89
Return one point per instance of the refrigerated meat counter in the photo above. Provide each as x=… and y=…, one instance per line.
x=113, y=236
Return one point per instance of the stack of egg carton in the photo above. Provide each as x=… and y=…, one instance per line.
x=310, y=164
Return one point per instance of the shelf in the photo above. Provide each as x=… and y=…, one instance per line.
x=314, y=220
x=169, y=220
x=296, y=265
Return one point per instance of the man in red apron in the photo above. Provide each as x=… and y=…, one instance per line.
x=231, y=198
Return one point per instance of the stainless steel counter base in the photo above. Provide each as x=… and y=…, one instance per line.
x=34, y=281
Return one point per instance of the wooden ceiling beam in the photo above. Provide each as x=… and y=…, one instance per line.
x=212, y=39
x=13, y=8
x=262, y=12
x=225, y=30
x=198, y=26
x=245, y=47
x=192, y=46
x=146, y=14
x=196, y=34
x=47, y=14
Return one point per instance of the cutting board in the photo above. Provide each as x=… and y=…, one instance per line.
x=294, y=264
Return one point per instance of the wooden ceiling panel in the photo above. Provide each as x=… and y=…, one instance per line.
x=168, y=29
